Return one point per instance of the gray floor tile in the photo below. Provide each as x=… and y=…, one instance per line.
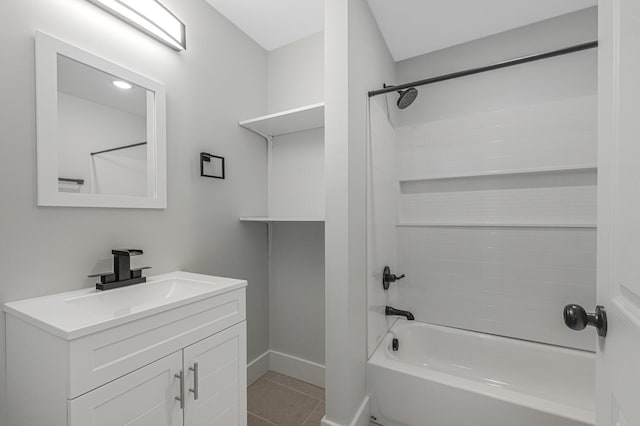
x=256, y=421
x=279, y=404
x=295, y=384
x=316, y=416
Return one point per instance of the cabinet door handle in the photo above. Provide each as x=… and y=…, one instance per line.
x=181, y=397
x=195, y=380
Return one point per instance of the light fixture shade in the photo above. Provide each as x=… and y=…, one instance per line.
x=149, y=16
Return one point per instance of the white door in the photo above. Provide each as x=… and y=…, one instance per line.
x=145, y=397
x=216, y=379
x=618, y=354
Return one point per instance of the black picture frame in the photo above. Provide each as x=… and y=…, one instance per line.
x=206, y=158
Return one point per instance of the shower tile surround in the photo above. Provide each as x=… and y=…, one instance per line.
x=496, y=253
x=506, y=281
x=492, y=277
x=382, y=217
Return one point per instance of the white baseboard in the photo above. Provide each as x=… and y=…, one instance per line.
x=304, y=370
x=289, y=365
x=258, y=368
x=325, y=422
x=360, y=419
x=297, y=368
x=362, y=415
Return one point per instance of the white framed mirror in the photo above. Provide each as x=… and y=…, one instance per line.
x=101, y=131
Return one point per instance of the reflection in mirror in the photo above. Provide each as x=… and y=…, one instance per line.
x=102, y=131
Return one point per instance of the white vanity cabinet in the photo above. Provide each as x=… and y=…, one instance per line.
x=147, y=397
x=170, y=352
x=221, y=379
x=143, y=397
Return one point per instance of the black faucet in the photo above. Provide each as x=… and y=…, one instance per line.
x=388, y=277
x=122, y=274
x=393, y=311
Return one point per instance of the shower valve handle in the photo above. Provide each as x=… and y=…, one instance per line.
x=576, y=318
x=388, y=277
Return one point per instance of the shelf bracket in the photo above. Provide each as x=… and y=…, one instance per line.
x=269, y=238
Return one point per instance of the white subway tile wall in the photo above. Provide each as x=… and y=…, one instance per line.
x=497, y=203
x=506, y=281
x=382, y=216
x=544, y=135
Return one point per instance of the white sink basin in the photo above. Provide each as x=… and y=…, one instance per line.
x=138, y=297
x=74, y=314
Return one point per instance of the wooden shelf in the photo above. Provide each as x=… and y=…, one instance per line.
x=281, y=123
x=539, y=170
x=266, y=219
x=493, y=225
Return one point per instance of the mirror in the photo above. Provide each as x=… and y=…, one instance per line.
x=101, y=131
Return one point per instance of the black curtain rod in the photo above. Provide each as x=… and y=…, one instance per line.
x=504, y=64
x=119, y=148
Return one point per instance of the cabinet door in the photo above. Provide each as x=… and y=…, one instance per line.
x=145, y=397
x=221, y=379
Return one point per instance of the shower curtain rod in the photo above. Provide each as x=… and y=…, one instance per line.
x=504, y=64
x=119, y=148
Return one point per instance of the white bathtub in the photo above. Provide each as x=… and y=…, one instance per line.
x=442, y=376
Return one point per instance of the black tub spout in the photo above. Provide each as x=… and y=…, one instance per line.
x=393, y=311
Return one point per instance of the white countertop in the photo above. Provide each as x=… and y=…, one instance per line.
x=74, y=314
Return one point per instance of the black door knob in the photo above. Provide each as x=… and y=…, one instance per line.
x=576, y=318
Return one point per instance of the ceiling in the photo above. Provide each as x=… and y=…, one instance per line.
x=274, y=23
x=415, y=27
x=91, y=84
x=410, y=27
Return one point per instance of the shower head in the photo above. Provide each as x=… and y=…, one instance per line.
x=407, y=97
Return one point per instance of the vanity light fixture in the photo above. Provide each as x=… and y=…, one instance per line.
x=151, y=17
x=122, y=84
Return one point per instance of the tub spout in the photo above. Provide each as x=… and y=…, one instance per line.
x=393, y=311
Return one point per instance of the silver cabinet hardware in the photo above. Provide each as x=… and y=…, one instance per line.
x=195, y=380
x=181, y=397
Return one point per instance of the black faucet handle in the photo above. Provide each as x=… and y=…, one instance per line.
x=137, y=272
x=101, y=274
x=388, y=277
x=105, y=277
x=126, y=252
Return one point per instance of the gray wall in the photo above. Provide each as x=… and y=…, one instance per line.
x=295, y=74
x=219, y=80
x=295, y=79
x=297, y=290
x=356, y=60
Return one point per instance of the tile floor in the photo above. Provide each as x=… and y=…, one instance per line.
x=279, y=400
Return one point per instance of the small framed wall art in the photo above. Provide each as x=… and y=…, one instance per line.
x=211, y=166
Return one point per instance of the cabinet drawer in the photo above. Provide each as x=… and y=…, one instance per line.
x=145, y=397
x=102, y=357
